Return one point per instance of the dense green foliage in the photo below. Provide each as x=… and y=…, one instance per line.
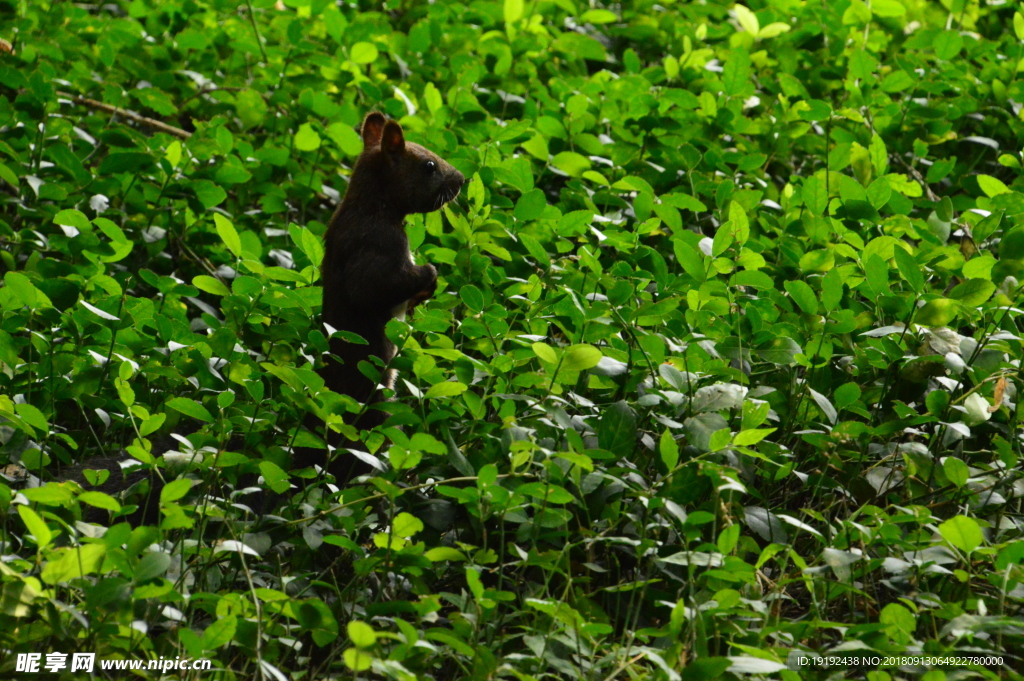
x=723, y=367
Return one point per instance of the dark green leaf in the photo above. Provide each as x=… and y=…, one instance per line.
x=616, y=430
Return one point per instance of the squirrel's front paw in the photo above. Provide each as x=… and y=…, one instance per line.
x=428, y=291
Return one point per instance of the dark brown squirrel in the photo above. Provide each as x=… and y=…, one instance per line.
x=368, y=273
x=368, y=278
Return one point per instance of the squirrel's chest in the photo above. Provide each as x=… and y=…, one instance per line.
x=399, y=311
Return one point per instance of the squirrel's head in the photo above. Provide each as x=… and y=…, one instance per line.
x=407, y=176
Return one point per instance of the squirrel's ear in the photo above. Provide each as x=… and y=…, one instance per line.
x=373, y=127
x=392, y=139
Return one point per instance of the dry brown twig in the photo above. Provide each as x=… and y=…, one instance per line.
x=143, y=120
x=109, y=108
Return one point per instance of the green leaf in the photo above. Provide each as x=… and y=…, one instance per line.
x=878, y=192
x=747, y=20
x=815, y=110
x=173, y=153
x=274, y=477
x=208, y=193
x=831, y=290
x=25, y=291
x=207, y=283
x=599, y=16
x=736, y=75
x=877, y=272
x=939, y=227
x=472, y=297
x=444, y=553
x=176, y=489
x=68, y=564
x=887, y=8
x=580, y=357
x=879, y=154
x=347, y=139
x=948, y=44
x=190, y=407
x=251, y=108
x=228, y=234
x=722, y=240
x=937, y=312
x=987, y=227
x=684, y=202
x=153, y=564
x=100, y=500
x=940, y=169
x=154, y=99
x=899, y=620
x=536, y=250
x=571, y=163
x=720, y=439
x=909, y=269
x=746, y=438
x=902, y=184
x=962, y=532
x=307, y=139
x=219, y=633
x=846, y=394
x=979, y=267
x=616, y=430
x=753, y=278
x=406, y=525
x=739, y=223
x=363, y=53
x=992, y=186
x=803, y=295
x=32, y=416
x=973, y=292
x=125, y=392
x=531, y=205
x=114, y=233
x=513, y=11
x=361, y=634
x=781, y=350
x=668, y=448
x=546, y=492
x=1011, y=247
x=309, y=243
x=358, y=660
x=937, y=402
x=691, y=259
x=956, y=470
x=73, y=218
x=446, y=389
x=545, y=352
x=815, y=196
x=580, y=46
x=8, y=176
x=36, y=526
x=774, y=29
x=432, y=96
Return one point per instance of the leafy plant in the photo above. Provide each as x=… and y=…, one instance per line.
x=722, y=370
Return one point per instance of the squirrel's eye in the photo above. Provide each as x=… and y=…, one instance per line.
x=430, y=166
